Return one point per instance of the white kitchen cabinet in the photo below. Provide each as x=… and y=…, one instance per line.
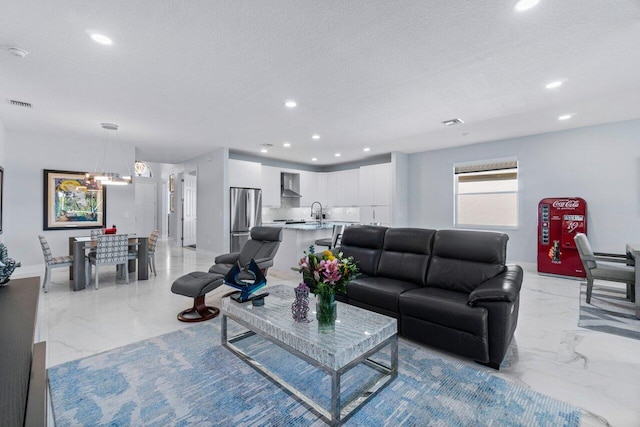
x=271, y=187
x=323, y=192
x=375, y=185
x=347, y=191
x=245, y=174
x=340, y=188
x=309, y=188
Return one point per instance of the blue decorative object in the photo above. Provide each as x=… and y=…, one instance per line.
x=7, y=265
x=233, y=279
x=300, y=307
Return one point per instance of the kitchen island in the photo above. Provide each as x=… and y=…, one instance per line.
x=296, y=239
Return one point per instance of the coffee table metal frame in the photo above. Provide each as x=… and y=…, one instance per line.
x=338, y=412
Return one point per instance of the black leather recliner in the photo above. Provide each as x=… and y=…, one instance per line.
x=469, y=304
x=448, y=288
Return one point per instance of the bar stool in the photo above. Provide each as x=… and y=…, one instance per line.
x=335, y=239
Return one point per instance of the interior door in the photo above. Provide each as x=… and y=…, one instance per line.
x=189, y=196
x=146, y=206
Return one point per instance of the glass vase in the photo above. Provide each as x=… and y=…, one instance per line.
x=326, y=313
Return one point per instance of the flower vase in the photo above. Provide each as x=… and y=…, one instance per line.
x=326, y=312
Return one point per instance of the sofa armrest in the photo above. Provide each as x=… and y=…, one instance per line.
x=230, y=258
x=503, y=287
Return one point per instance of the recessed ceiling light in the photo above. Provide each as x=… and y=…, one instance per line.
x=16, y=51
x=523, y=5
x=452, y=122
x=100, y=38
x=366, y=149
x=315, y=136
x=337, y=154
x=565, y=117
x=264, y=150
x=290, y=103
x=314, y=159
x=286, y=144
x=553, y=85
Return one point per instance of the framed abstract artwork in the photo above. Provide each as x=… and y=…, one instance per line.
x=171, y=183
x=72, y=201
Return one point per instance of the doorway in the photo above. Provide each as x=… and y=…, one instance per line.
x=189, y=208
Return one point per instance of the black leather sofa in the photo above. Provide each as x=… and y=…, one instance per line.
x=450, y=289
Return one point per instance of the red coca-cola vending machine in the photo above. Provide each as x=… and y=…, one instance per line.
x=558, y=222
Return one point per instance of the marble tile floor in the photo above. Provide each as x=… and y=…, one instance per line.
x=596, y=371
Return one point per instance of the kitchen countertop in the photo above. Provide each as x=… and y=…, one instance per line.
x=308, y=226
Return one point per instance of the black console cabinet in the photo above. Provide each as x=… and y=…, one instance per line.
x=23, y=389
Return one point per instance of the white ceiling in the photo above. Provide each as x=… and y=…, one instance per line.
x=185, y=78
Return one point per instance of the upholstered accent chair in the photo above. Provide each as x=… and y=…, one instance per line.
x=52, y=262
x=112, y=249
x=611, y=267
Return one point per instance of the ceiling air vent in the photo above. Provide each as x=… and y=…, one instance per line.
x=452, y=122
x=20, y=103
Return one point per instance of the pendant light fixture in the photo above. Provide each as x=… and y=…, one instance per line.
x=99, y=175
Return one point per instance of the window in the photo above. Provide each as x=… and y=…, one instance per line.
x=486, y=193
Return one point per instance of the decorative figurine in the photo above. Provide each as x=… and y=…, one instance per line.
x=300, y=307
x=247, y=288
x=7, y=265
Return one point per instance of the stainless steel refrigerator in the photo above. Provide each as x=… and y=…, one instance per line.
x=246, y=213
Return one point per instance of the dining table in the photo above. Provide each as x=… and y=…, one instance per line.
x=633, y=252
x=80, y=244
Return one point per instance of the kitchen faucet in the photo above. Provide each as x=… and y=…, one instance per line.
x=316, y=215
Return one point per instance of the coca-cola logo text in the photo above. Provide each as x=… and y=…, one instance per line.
x=566, y=204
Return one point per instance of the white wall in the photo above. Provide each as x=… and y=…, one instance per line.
x=26, y=155
x=399, y=189
x=598, y=163
x=160, y=173
x=213, y=200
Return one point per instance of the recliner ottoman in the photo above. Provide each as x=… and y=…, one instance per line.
x=196, y=285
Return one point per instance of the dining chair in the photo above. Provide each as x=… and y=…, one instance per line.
x=95, y=233
x=151, y=251
x=153, y=240
x=52, y=262
x=112, y=249
x=609, y=267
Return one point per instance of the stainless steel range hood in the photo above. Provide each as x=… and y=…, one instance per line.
x=290, y=184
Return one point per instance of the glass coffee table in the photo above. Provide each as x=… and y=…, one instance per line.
x=359, y=334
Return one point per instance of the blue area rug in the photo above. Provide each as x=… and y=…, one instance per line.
x=186, y=378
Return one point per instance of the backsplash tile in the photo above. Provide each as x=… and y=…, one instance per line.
x=335, y=214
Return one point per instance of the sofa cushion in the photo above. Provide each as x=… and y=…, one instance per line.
x=378, y=291
x=364, y=243
x=446, y=308
x=405, y=254
x=462, y=260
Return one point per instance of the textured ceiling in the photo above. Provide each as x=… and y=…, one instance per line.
x=184, y=78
